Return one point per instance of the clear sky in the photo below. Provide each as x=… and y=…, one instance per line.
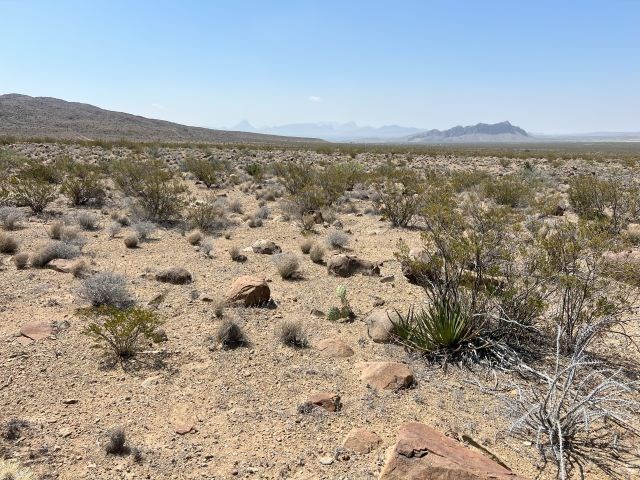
x=548, y=66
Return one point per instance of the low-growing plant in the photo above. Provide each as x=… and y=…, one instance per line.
x=114, y=229
x=33, y=193
x=206, y=247
x=316, y=254
x=8, y=244
x=12, y=470
x=287, y=264
x=122, y=332
x=131, y=241
x=194, y=237
x=82, y=186
x=236, y=255
x=55, y=229
x=510, y=190
x=230, y=335
x=20, y=260
x=105, y=289
x=207, y=215
x=305, y=245
x=207, y=170
x=53, y=250
x=292, y=334
x=88, y=220
x=344, y=311
x=10, y=218
x=144, y=229
x=337, y=239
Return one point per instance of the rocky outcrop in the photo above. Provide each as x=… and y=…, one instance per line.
x=347, y=265
x=422, y=453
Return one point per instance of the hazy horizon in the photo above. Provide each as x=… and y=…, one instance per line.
x=546, y=67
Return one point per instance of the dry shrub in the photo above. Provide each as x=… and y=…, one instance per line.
x=88, y=220
x=316, y=253
x=131, y=241
x=287, y=264
x=292, y=334
x=8, y=244
x=10, y=218
x=53, y=250
x=230, y=335
x=20, y=260
x=55, y=229
x=194, y=237
x=306, y=245
x=105, y=289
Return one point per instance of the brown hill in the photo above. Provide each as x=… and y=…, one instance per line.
x=36, y=117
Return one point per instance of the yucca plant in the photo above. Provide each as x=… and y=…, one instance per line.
x=443, y=328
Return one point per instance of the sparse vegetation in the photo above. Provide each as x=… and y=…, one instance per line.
x=292, y=334
x=105, y=289
x=230, y=335
x=53, y=250
x=287, y=264
x=11, y=217
x=8, y=244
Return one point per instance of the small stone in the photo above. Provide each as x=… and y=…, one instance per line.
x=37, y=330
x=362, y=440
x=327, y=400
x=326, y=460
x=388, y=279
x=335, y=347
x=70, y=401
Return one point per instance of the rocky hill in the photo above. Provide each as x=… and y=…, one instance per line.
x=35, y=117
x=481, y=132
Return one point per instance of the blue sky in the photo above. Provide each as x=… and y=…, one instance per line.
x=548, y=66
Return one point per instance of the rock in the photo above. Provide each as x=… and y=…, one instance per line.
x=379, y=326
x=250, y=290
x=327, y=400
x=317, y=313
x=174, y=275
x=265, y=247
x=422, y=453
x=183, y=420
x=388, y=279
x=37, y=330
x=343, y=265
x=334, y=347
x=361, y=440
x=325, y=460
x=70, y=401
x=386, y=375
x=61, y=265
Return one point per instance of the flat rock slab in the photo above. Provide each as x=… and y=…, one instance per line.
x=183, y=420
x=61, y=265
x=334, y=347
x=37, y=330
x=422, y=453
x=386, y=375
x=362, y=440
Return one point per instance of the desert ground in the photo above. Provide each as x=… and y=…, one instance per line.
x=191, y=408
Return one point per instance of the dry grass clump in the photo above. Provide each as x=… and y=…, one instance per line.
x=206, y=247
x=144, y=229
x=88, y=220
x=236, y=255
x=12, y=470
x=230, y=335
x=131, y=240
x=21, y=260
x=287, y=264
x=116, y=442
x=306, y=245
x=235, y=206
x=55, y=229
x=337, y=239
x=53, y=250
x=114, y=229
x=78, y=268
x=105, y=288
x=292, y=334
x=254, y=222
x=194, y=237
x=72, y=236
x=316, y=254
x=10, y=217
x=8, y=244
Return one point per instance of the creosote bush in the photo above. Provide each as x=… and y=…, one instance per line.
x=292, y=334
x=316, y=254
x=337, y=239
x=208, y=215
x=122, y=331
x=82, y=186
x=105, y=289
x=33, y=193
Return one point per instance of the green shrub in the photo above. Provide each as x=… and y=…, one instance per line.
x=206, y=170
x=33, y=193
x=510, y=190
x=344, y=311
x=122, y=331
x=83, y=186
x=400, y=194
x=255, y=170
x=208, y=215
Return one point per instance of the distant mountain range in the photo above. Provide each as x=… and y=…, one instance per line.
x=30, y=117
x=335, y=132
x=351, y=132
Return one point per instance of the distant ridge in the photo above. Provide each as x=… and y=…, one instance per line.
x=481, y=132
x=36, y=117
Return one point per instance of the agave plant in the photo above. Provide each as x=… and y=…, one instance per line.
x=441, y=328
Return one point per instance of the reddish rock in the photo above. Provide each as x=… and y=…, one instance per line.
x=183, y=420
x=61, y=265
x=327, y=400
x=422, y=453
x=386, y=375
x=334, y=347
x=361, y=440
x=37, y=330
x=250, y=290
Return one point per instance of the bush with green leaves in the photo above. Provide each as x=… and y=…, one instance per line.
x=608, y=201
x=400, y=195
x=83, y=186
x=207, y=170
x=510, y=190
x=122, y=332
x=256, y=170
x=32, y=192
x=344, y=311
x=208, y=215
